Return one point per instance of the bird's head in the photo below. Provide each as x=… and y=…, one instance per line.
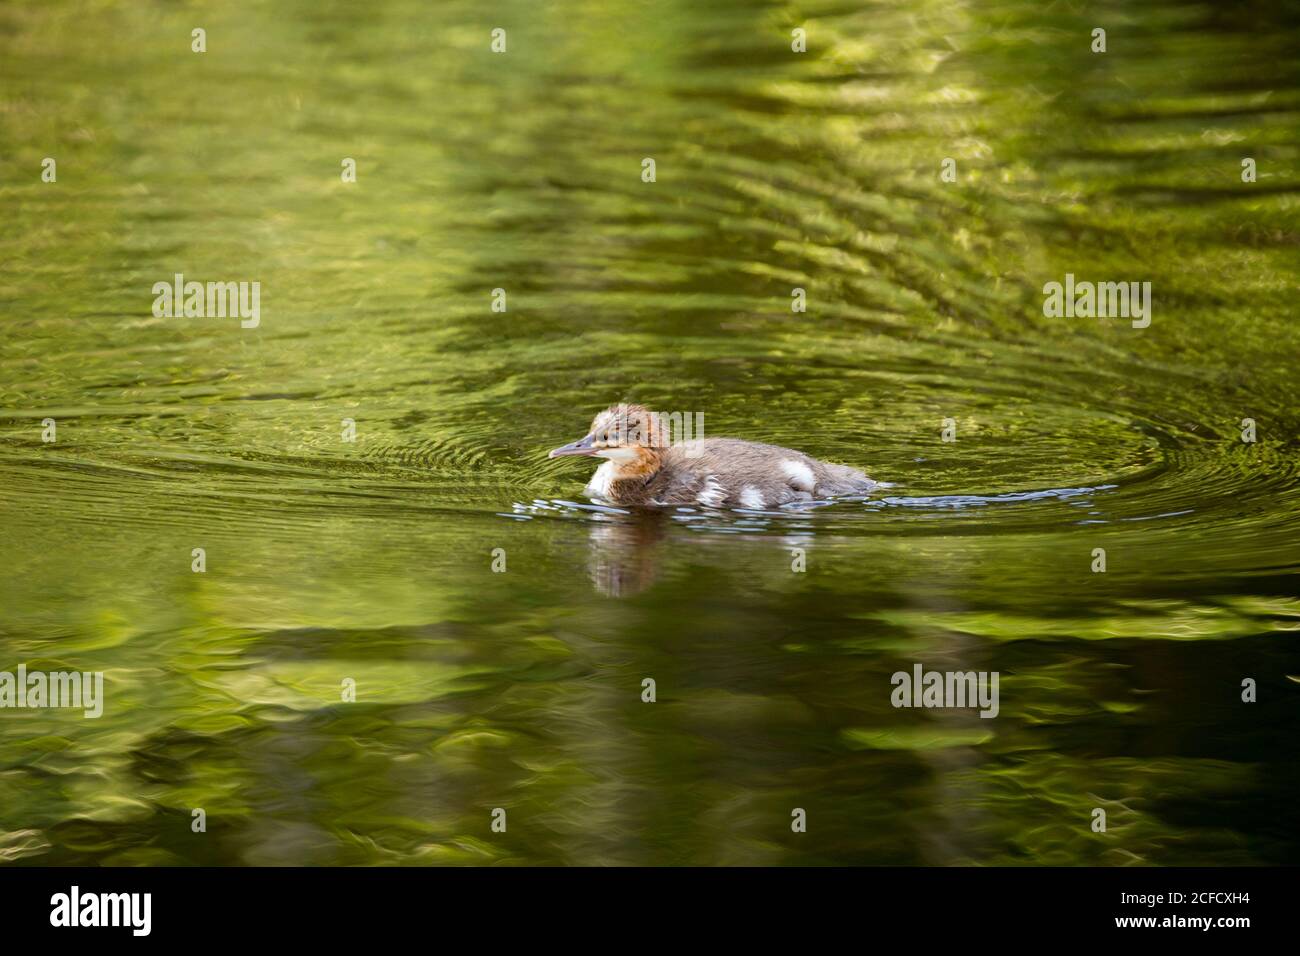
x=631, y=436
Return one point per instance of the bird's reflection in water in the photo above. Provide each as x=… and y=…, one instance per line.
x=625, y=545
x=625, y=552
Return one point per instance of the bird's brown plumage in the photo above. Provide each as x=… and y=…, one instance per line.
x=644, y=469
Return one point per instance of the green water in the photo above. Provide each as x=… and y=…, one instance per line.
x=372, y=560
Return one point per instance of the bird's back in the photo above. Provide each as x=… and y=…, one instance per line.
x=731, y=472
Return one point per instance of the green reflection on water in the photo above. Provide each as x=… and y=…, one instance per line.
x=371, y=561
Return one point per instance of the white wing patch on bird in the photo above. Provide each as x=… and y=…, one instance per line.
x=712, y=494
x=800, y=475
x=751, y=497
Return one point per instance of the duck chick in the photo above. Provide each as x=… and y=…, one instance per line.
x=642, y=468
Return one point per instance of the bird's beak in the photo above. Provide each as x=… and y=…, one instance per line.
x=583, y=446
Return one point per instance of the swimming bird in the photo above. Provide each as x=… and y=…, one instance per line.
x=642, y=468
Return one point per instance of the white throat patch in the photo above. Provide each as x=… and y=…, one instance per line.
x=598, y=487
x=618, y=454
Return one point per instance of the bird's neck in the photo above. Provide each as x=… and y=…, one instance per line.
x=626, y=478
x=640, y=465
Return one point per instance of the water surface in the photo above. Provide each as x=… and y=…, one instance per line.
x=372, y=560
